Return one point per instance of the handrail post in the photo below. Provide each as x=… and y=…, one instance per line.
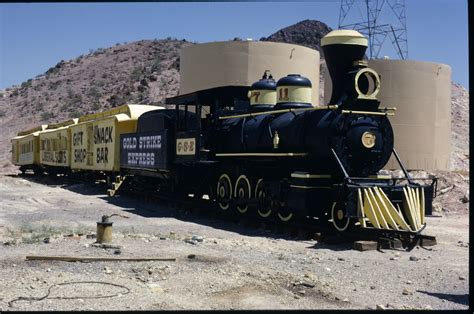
x=401, y=165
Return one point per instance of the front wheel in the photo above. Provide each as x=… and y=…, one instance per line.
x=338, y=217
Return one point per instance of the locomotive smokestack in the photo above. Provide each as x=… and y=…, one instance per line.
x=341, y=48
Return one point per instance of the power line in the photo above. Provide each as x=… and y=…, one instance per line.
x=378, y=20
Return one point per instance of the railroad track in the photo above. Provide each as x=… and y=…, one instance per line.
x=297, y=228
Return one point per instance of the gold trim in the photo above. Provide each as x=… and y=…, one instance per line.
x=278, y=111
x=388, y=108
x=375, y=113
x=381, y=176
x=376, y=79
x=310, y=176
x=309, y=187
x=344, y=37
x=261, y=154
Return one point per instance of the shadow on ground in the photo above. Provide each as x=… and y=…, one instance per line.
x=249, y=225
x=457, y=298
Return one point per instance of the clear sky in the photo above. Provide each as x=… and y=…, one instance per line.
x=34, y=37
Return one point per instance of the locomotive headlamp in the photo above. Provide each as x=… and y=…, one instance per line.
x=368, y=139
x=367, y=83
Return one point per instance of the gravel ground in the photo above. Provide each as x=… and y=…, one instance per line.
x=234, y=267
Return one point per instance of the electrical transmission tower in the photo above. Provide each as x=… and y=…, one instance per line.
x=377, y=19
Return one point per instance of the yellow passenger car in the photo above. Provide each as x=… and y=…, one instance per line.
x=96, y=137
x=25, y=149
x=55, y=146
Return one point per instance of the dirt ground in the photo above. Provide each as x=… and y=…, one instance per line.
x=234, y=267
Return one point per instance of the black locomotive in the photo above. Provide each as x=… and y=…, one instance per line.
x=268, y=149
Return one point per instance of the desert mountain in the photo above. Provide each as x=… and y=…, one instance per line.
x=306, y=33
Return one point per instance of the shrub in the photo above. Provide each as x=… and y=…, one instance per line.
x=74, y=114
x=116, y=100
x=94, y=93
x=64, y=107
x=47, y=115
x=136, y=73
x=95, y=106
x=156, y=65
x=39, y=106
x=26, y=84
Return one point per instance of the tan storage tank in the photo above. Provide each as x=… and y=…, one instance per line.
x=241, y=63
x=421, y=92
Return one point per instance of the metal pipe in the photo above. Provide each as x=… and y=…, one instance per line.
x=401, y=165
x=346, y=176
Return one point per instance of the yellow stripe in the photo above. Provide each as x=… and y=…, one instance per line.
x=369, y=211
x=384, y=210
x=422, y=207
x=414, y=207
x=253, y=114
x=360, y=209
x=407, y=208
x=380, y=217
x=261, y=154
x=397, y=216
x=309, y=187
x=381, y=176
x=310, y=176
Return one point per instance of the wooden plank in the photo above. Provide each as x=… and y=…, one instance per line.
x=98, y=259
x=364, y=245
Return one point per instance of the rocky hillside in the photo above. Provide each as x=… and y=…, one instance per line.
x=306, y=33
x=144, y=72
x=460, y=127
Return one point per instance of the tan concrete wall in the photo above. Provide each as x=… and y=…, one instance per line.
x=241, y=63
x=421, y=91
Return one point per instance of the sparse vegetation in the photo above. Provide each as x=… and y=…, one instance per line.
x=27, y=83
x=156, y=65
x=116, y=100
x=136, y=73
x=94, y=93
x=95, y=106
x=74, y=114
x=47, y=115
x=39, y=106
x=64, y=107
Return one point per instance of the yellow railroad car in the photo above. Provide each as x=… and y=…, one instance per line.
x=55, y=146
x=25, y=149
x=96, y=137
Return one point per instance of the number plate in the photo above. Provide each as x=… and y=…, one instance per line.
x=185, y=146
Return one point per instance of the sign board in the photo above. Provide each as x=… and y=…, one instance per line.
x=146, y=150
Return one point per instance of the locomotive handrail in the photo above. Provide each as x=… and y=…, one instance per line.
x=375, y=113
x=278, y=111
x=401, y=165
x=344, y=172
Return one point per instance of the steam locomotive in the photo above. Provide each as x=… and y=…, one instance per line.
x=267, y=150
x=282, y=156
